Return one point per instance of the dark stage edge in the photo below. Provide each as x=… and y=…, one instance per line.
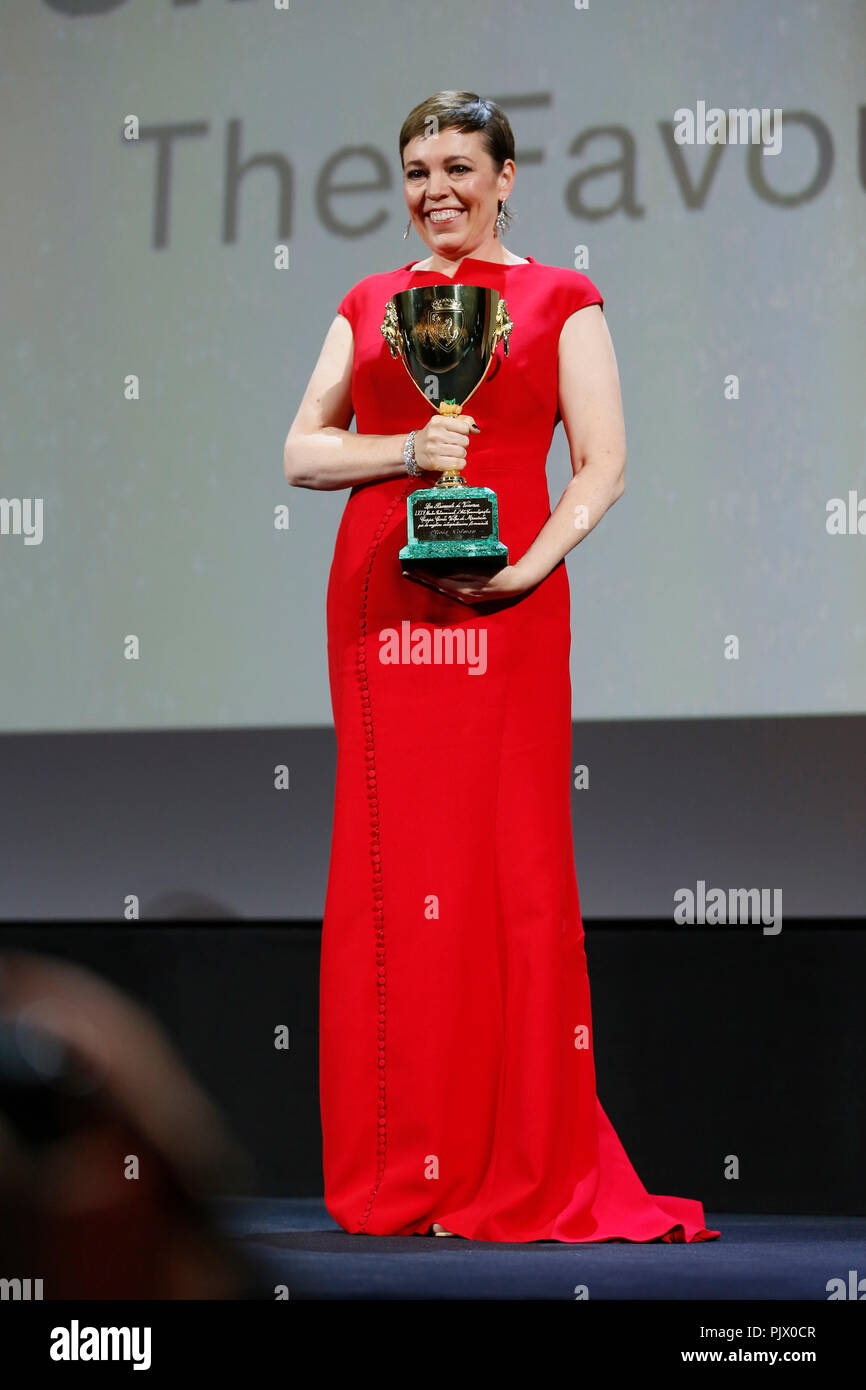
x=294, y=1242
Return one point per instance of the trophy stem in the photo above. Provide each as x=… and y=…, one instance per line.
x=451, y=477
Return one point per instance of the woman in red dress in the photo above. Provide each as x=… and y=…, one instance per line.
x=457, y=1079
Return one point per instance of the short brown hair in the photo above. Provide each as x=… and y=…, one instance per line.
x=464, y=111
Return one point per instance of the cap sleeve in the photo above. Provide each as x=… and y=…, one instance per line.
x=348, y=306
x=580, y=291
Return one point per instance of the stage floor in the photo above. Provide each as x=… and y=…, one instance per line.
x=294, y=1242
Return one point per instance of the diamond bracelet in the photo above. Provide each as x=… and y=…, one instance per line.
x=409, y=455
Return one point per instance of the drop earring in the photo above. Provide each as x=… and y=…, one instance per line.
x=501, y=219
x=408, y=225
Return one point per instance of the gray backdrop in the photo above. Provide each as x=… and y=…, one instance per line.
x=156, y=258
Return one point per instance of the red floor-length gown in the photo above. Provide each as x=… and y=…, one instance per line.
x=454, y=994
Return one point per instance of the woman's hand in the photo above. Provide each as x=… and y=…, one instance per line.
x=442, y=443
x=477, y=588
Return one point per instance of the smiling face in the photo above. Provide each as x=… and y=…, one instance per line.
x=452, y=191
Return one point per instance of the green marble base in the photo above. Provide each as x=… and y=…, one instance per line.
x=487, y=562
x=452, y=529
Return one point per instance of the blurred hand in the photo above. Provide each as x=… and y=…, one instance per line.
x=509, y=582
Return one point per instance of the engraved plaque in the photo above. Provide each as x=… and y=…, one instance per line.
x=453, y=519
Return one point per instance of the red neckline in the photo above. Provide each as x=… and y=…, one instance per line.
x=471, y=260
